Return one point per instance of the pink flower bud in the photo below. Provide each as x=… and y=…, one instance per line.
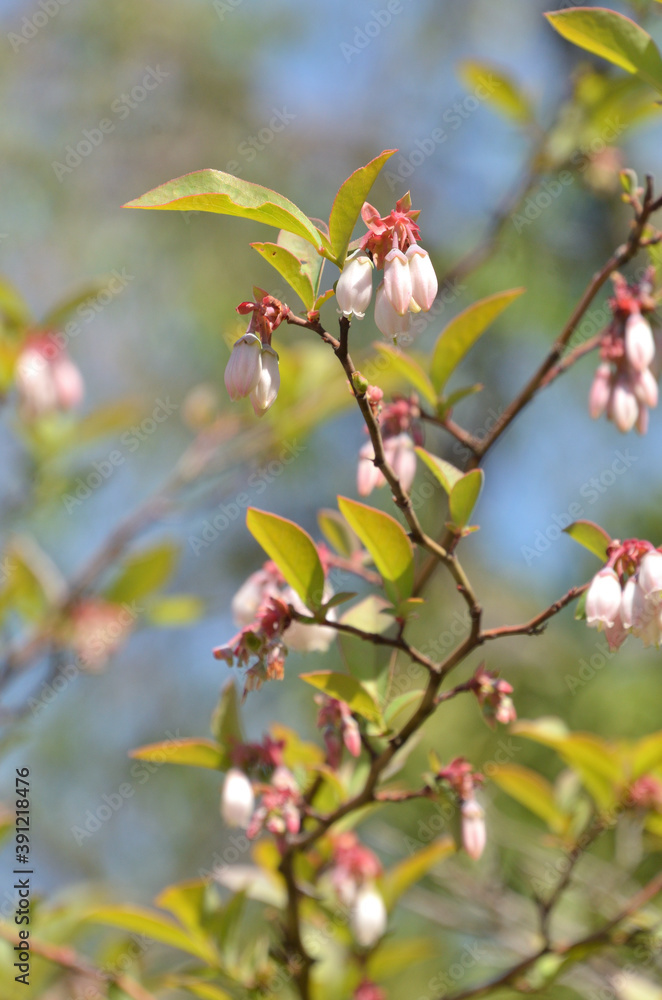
x=397, y=281
x=598, y=397
x=351, y=736
x=623, y=408
x=387, y=320
x=424, y=284
x=354, y=287
x=645, y=388
x=639, y=343
x=68, y=381
x=264, y=394
x=650, y=575
x=603, y=600
x=243, y=370
x=400, y=455
x=368, y=918
x=474, y=834
x=237, y=799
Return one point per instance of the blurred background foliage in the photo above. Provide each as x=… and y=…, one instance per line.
x=225, y=72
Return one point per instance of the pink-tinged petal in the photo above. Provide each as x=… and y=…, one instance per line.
x=623, y=408
x=242, y=372
x=639, y=342
x=474, y=833
x=646, y=389
x=265, y=392
x=603, y=600
x=397, y=281
x=650, y=575
x=598, y=397
x=354, y=287
x=424, y=284
x=387, y=320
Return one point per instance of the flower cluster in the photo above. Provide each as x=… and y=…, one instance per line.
x=624, y=385
x=253, y=366
x=47, y=380
x=494, y=697
x=261, y=607
x=400, y=433
x=625, y=596
x=260, y=760
x=462, y=779
x=409, y=285
x=353, y=873
x=279, y=810
x=338, y=726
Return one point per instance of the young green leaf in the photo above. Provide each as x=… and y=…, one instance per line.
x=144, y=573
x=398, y=879
x=174, y=610
x=348, y=203
x=226, y=719
x=531, y=790
x=338, y=533
x=387, y=543
x=446, y=473
x=290, y=268
x=216, y=191
x=410, y=369
x=191, y=751
x=346, y=688
x=293, y=551
x=501, y=90
x=464, y=496
x=312, y=263
x=591, y=536
x=462, y=333
x=613, y=37
x=157, y=927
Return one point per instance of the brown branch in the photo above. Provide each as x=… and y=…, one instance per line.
x=536, y=624
x=299, y=961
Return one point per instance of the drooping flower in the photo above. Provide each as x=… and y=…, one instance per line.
x=47, y=380
x=424, y=284
x=265, y=391
x=474, y=834
x=397, y=281
x=368, y=917
x=237, y=799
x=603, y=600
x=387, y=320
x=639, y=343
x=354, y=287
x=243, y=370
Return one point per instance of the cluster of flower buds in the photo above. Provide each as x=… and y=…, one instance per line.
x=253, y=366
x=410, y=283
x=354, y=871
x=645, y=793
x=280, y=806
x=257, y=760
x=494, y=697
x=625, y=596
x=400, y=433
x=338, y=726
x=624, y=385
x=47, y=380
x=261, y=608
x=462, y=779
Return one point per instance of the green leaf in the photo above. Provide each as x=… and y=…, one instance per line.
x=348, y=203
x=293, y=551
x=290, y=268
x=591, y=536
x=185, y=900
x=398, y=879
x=226, y=718
x=387, y=543
x=613, y=37
x=216, y=191
x=338, y=533
x=462, y=333
x=312, y=264
x=175, y=610
x=410, y=369
x=346, y=688
x=197, y=988
x=532, y=791
x=464, y=496
x=399, y=955
x=401, y=708
x=144, y=573
x=580, y=610
x=646, y=754
x=13, y=306
x=446, y=473
x=502, y=92
x=139, y=920
x=448, y=402
x=192, y=751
